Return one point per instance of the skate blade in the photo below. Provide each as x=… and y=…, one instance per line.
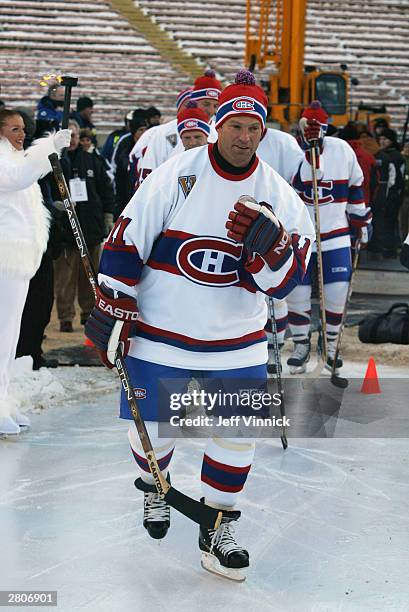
x=211, y=564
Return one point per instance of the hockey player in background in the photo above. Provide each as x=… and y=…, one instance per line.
x=343, y=213
x=193, y=127
x=185, y=238
x=205, y=93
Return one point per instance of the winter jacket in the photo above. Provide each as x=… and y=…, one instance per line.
x=368, y=167
x=24, y=221
x=391, y=165
x=84, y=123
x=123, y=182
x=100, y=193
x=49, y=116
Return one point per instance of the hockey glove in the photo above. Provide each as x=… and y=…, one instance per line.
x=312, y=135
x=361, y=233
x=110, y=323
x=256, y=226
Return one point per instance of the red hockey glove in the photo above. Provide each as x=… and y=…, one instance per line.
x=256, y=226
x=312, y=134
x=110, y=323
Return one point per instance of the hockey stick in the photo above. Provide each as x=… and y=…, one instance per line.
x=277, y=361
x=321, y=353
x=196, y=511
x=339, y=381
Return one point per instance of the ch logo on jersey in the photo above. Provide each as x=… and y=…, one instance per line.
x=324, y=197
x=187, y=183
x=140, y=393
x=210, y=261
x=172, y=139
x=243, y=104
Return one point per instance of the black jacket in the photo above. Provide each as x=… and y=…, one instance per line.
x=86, y=166
x=391, y=186
x=123, y=183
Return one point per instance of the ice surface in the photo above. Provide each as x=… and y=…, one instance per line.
x=326, y=522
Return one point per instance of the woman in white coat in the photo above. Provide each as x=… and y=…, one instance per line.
x=24, y=228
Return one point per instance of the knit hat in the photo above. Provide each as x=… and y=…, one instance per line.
x=193, y=118
x=244, y=97
x=83, y=103
x=206, y=87
x=182, y=97
x=390, y=135
x=315, y=111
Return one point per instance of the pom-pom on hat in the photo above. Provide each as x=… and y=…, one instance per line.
x=315, y=111
x=244, y=97
x=206, y=87
x=182, y=97
x=193, y=118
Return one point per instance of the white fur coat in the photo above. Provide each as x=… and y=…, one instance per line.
x=24, y=221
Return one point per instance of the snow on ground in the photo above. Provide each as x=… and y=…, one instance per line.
x=37, y=390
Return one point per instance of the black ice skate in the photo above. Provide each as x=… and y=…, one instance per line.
x=271, y=365
x=156, y=512
x=221, y=554
x=300, y=357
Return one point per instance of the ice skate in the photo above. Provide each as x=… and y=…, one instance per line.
x=300, y=357
x=271, y=365
x=331, y=348
x=156, y=512
x=221, y=554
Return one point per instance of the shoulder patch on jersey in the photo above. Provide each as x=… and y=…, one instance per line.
x=172, y=139
x=187, y=183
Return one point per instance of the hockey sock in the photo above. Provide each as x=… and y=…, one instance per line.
x=163, y=448
x=226, y=464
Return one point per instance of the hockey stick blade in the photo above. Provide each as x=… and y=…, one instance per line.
x=339, y=381
x=203, y=515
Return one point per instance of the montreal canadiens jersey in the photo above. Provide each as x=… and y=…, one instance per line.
x=200, y=297
x=161, y=147
x=340, y=194
x=282, y=152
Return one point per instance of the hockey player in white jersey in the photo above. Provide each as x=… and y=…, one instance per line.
x=193, y=127
x=205, y=93
x=343, y=213
x=167, y=129
x=191, y=260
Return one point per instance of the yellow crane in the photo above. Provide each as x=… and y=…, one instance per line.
x=275, y=32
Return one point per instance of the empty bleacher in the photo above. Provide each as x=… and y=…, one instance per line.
x=370, y=36
x=116, y=64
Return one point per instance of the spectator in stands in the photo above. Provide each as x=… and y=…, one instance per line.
x=49, y=113
x=83, y=116
x=92, y=191
x=388, y=199
x=24, y=234
x=404, y=211
x=153, y=116
x=88, y=146
x=120, y=161
x=366, y=161
x=368, y=142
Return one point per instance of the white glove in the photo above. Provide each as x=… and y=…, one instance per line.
x=62, y=139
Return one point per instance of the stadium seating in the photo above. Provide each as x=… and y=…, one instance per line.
x=370, y=36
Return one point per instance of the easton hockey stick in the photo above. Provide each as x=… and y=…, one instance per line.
x=336, y=380
x=196, y=511
x=279, y=379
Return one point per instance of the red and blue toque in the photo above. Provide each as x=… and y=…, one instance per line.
x=244, y=97
x=182, y=97
x=193, y=118
x=206, y=87
x=315, y=111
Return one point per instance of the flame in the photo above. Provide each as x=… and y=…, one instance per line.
x=50, y=79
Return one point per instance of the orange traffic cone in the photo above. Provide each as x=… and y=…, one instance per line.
x=371, y=383
x=88, y=342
